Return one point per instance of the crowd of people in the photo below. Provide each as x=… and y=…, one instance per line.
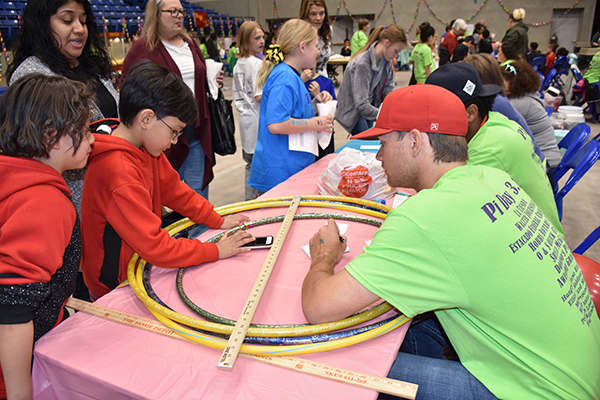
x=492, y=318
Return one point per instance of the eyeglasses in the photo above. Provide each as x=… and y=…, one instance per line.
x=510, y=68
x=175, y=12
x=176, y=134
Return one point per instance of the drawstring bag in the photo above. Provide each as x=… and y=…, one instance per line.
x=353, y=173
x=222, y=125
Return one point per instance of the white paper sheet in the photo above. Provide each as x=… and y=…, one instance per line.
x=341, y=227
x=305, y=141
x=212, y=70
x=326, y=109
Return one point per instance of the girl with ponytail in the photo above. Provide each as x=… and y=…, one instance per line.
x=368, y=78
x=285, y=107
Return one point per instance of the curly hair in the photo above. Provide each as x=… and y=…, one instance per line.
x=37, y=39
x=524, y=81
x=325, y=30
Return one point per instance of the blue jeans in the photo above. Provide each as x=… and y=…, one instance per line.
x=192, y=173
x=420, y=361
x=361, y=126
x=437, y=379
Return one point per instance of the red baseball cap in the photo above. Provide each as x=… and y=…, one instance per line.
x=428, y=108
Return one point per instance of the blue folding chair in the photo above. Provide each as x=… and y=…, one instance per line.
x=572, y=142
x=546, y=81
x=588, y=241
x=538, y=63
x=576, y=73
x=580, y=163
x=561, y=65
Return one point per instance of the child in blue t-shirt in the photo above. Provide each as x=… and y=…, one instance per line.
x=286, y=107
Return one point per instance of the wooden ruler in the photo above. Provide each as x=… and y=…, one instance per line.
x=236, y=339
x=380, y=384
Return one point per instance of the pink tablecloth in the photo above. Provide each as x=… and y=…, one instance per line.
x=87, y=357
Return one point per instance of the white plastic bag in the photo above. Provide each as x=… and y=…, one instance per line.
x=354, y=173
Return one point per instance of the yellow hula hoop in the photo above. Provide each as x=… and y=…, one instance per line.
x=172, y=319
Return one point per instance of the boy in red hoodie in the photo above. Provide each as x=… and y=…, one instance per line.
x=43, y=132
x=129, y=179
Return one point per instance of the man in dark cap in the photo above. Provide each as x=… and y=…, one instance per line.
x=494, y=140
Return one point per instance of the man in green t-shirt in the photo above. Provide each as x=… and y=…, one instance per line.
x=496, y=141
x=359, y=39
x=473, y=248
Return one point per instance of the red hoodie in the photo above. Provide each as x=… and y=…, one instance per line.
x=36, y=224
x=36, y=220
x=121, y=214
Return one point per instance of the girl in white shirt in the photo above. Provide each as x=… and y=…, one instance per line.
x=246, y=95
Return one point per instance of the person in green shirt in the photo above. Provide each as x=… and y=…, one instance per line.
x=593, y=73
x=359, y=39
x=471, y=248
x=422, y=57
x=496, y=141
x=232, y=56
x=203, y=47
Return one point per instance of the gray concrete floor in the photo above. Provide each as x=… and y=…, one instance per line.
x=581, y=214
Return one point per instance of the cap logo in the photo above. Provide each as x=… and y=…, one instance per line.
x=435, y=126
x=469, y=88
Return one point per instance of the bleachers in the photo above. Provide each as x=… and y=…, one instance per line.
x=114, y=11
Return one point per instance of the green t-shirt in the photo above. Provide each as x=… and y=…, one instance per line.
x=503, y=144
x=593, y=73
x=204, y=51
x=476, y=250
x=359, y=39
x=421, y=57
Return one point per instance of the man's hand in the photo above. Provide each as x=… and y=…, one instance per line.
x=327, y=243
x=230, y=246
x=234, y=220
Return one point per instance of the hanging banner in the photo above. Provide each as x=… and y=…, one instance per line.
x=201, y=18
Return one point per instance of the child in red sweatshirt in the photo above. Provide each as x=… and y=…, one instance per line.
x=43, y=132
x=129, y=179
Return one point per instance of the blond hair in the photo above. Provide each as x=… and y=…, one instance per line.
x=518, y=14
x=152, y=20
x=244, y=36
x=293, y=32
x=394, y=33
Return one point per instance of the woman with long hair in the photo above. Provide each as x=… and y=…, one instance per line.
x=166, y=42
x=369, y=77
x=315, y=13
x=60, y=37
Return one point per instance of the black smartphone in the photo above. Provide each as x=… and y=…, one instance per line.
x=260, y=242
